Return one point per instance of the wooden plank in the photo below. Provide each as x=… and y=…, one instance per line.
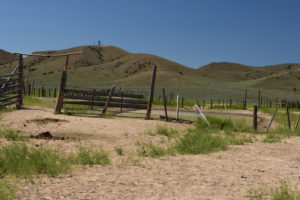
x=133, y=101
x=8, y=98
x=88, y=103
x=9, y=103
x=9, y=87
x=9, y=92
x=101, y=93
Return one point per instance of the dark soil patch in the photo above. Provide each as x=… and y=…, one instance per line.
x=46, y=120
x=47, y=135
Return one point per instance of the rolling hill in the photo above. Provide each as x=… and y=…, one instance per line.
x=6, y=57
x=101, y=66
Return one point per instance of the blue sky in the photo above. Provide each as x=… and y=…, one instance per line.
x=190, y=32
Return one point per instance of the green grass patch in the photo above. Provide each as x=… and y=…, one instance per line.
x=198, y=142
x=12, y=135
x=91, y=156
x=35, y=101
x=151, y=150
x=283, y=192
x=202, y=139
x=24, y=161
x=163, y=130
x=8, y=190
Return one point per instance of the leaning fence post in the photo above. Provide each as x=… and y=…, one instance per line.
x=272, y=118
x=149, y=107
x=108, y=99
x=20, y=81
x=61, y=92
x=255, y=117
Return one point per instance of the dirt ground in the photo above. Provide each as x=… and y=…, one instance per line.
x=223, y=175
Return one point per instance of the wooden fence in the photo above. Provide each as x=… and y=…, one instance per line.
x=11, y=86
x=100, y=98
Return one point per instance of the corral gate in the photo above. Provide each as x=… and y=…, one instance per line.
x=11, y=86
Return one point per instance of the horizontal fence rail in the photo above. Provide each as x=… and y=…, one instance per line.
x=119, y=99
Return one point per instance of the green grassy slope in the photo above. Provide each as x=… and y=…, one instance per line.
x=134, y=71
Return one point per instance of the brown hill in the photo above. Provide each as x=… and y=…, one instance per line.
x=6, y=57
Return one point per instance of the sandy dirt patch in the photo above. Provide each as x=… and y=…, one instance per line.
x=223, y=175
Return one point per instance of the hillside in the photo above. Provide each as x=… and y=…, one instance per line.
x=130, y=70
x=6, y=57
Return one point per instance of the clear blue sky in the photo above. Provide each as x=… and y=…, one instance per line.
x=190, y=32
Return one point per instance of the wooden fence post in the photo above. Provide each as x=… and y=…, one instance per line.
x=211, y=104
x=203, y=104
x=20, y=82
x=255, y=117
x=149, y=107
x=288, y=117
x=108, y=99
x=165, y=105
x=61, y=91
x=177, y=109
